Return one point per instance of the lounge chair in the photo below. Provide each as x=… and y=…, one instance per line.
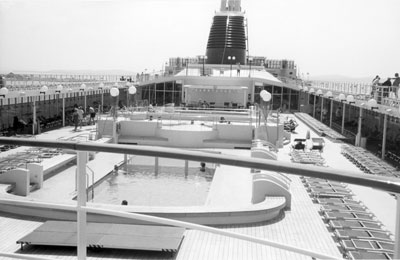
x=343, y=208
x=367, y=245
x=334, y=215
x=336, y=201
x=355, y=255
x=363, y=234
x=355, y=224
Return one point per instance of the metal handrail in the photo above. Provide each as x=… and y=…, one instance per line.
x=387, y=184
x=378, y=182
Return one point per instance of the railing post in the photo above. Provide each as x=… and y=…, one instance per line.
x=81, y=225
x=384, y=137
x=397, y=234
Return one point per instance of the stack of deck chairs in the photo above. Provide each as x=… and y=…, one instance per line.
x=308, y=157
x=319, y=127
x=368, y=162
x=355, y=228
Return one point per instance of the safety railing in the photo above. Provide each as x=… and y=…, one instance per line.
x=378, y=182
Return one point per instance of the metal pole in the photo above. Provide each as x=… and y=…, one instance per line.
x=397, y=231
x=330, y=118
x=313, y=114
x=156, y=166
x=322, y=107
x=358, y=142
x=102, y=100
x=34, y=114
x=63, y=110
x=81, y=202
x=384, y=137
x=186, y=168
x=344, y=114
x=277, y=130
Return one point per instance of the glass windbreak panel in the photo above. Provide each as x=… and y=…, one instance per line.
x=160, y=87
x=277, y=90
x=337, y=114
x=392, y=154
x=373, y=131
x=351, y=123
x=286, y=90
x=159, y=98
x=168, y=86
x=285, y=102
x=257, y=90
x=169, y=97
x=326, y=111
x=276, y=102
x=294, y=101
x=177, y=97
x=269, y=88
x=152, y=98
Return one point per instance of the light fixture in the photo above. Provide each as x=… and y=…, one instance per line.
x=300, y=88
x=329, y=94
x=43, y=90
x=132, y=90
x=312, y=90
x=116, y=85
x=114, y=92
x=342, y=97
x=319, y=92
x=3, y=92
x=59, y=89
x=101, y=85
x=350, y=99
x=372, y=104
x=265, y=95
x=305, y=89
x=83, y=87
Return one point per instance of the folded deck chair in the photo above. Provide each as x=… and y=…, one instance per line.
x=338, y=201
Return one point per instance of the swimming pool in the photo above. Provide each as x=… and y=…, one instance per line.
x=140, y=186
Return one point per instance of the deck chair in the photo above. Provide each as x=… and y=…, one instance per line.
x=343, y=208
x=355, y=255
x=336, y=201
x=334, y=215
x=363, y=234
x=367, y=245
x=355, y=224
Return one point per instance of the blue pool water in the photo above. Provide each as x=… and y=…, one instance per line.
x=140, y=187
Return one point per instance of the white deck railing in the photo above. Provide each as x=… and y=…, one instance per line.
x=382, y=183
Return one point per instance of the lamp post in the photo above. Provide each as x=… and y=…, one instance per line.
x=132, y=90
x=83, y=89
x=203, y=57
x=114, y=92
x=59, y=92
x=231, y=58
x=266, y=97
x=101, y=87
x=250, y=61
x=330, y=96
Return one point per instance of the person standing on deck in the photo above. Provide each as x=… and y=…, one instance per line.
x=80, y=114
x=396, y=84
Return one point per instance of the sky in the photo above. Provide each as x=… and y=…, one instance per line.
x=356, y=38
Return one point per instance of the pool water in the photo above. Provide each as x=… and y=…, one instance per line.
x=141, y=187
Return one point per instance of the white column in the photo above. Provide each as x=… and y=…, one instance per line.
x=384, y=137
x=81, y=225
